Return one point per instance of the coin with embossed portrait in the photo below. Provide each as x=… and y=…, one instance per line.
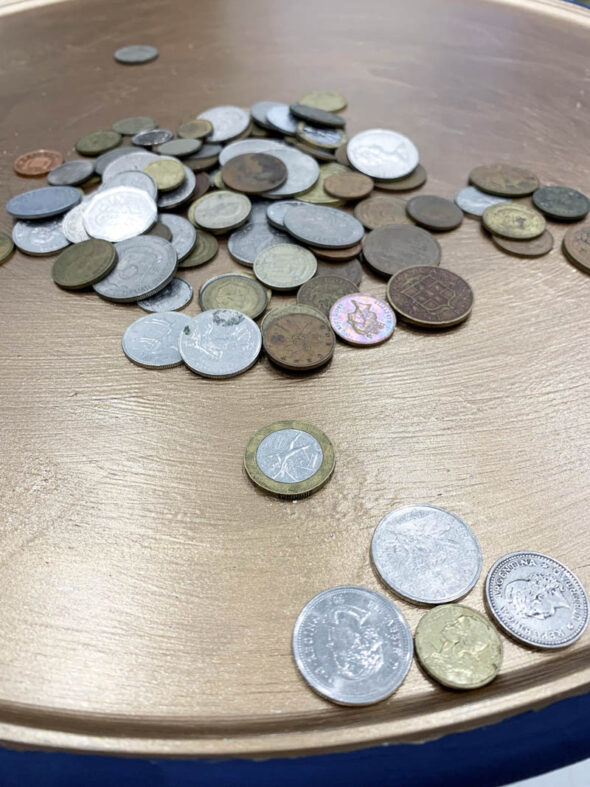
x=382, y=153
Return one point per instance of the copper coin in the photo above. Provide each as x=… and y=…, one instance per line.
x=377, y=211
x=576, y=246
x=337, y=255
x=322, y=292
x=392, y=248
x=351, y=270
x=561, y=204
x=414, y=180
x=526, y=248
x=349, y=185
x=504, y=180
x=254, y=173
x=299, y=341
x=202, y=185
x=430, y=297
x=341, y=156
x=37, y=162
x=434, y=213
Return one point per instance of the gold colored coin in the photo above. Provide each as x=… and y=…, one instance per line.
x=317, y=194
x=330, y=100
x=6, y=246
x=197, y=128
x=167, y=173
x=505, y=180
x=83, y=264
x=217, y=180
x=204, y=251
x=511, y=220
x=458, y=646
x=234, y=291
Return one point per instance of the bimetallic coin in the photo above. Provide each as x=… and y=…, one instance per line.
x=353, y=646
x=317, y=193
x=119, y=213
x=284, y=266
x=133, y=125
x=504, y=180
x=430, y=297
x=260, y=110
x=227, y=121
x=317, y=117
x=254, y=173
x=194, y=129
x=84, y=264
x=180, y=147
x=561, y=204
x=526, y=248
x=134, y=178
x=576, y=246
x=72, y=224
x=275, y=213
x=101, y=163
x=349, y=185
x=175, y=295
x=362, y=320
x=234, y=291
x=434, y=213
x=511, y=220
x=351, y=270
x=98, y=142
x=152, y=341
x=302, y=172
x=43, y=203
x=178, y=196
x=537, y=600
x=71, y=173
x=392, y=248
x=167, y=173
x=379, y=211
x=37, y=163
x=39, y=237
x=319, y=225
x=414, y=180
x=135, y=54
x=152, y=136
x=220, y=211
x=6, y=246
x=249, y=146
x=426, y=554
x=328, y=100
x=299, y=341
x=184, y=235
x=458, y=647
x=204, y=250
x=322, y=292
x=136, y=160
x=473, y=201
x=330, y=138
x=220, y=343
x=383, y=154
x=144, y=266
x=280, y=118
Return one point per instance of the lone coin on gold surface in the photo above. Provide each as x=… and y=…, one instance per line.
x=234, y=291
x=348, y=185
x=284, y=266
x=37, y=162
x=166, y=173
x=511, y=220
x=505, y=180
x=576, y=246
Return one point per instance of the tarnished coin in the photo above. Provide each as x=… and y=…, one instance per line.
x=166, y=173
x=249, y=146
x=71, y=173
x=319, y=225
x=72, y=224
x=362, y=320
x=434, y=213
x=316, y=116
x=220, y=343
x=227, y=121
x=537, y=600
x=458, y=646
x=119, y=213
x=37, y=163
x=144, y=266
x=330, y=138
x=234, y=291
x=101, y=163
x=291, y=308
x=351, y=270
x=259, y=111
x=175, y=295
x=179, y=195
x=39, y=237
x=414, y=180
x=134, y=178
x=349, y=185
x=353, y=646
x=98, y=142
x=317, y=193
x=284, y=266
x=84, y=264
x=152, y=341
x=184, y=235
x=133, y=125
x=377, y=211
x=197, y=128
x=246, y=243
x=392, y=248
x=383, y=154
x=202, y=185
x=203, y=251
x=473, y=201
x=299, y=341
x=180, y=147
x=275, y=213
x=203, y=159
x=337, y=255
x=341, y=156
x=43, y=203
x=254, y=173
x=136, y=160
x=152, y=136
x=505, y=180
x=161, y=230
x=526, y=248
x=328, y=100
x=302, y=172
x=320, y=154
x=511, y=220
x=576, y=246
x=560, y=203
x=430, y=297
x=289, y=459
x=426, y=554
x=280, y=118
x=220, y=211
x=134, y=54
x=322, y=292
x=6, y=246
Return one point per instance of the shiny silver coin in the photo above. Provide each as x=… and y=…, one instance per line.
x=39, y=237
x=352, y=645
x=302, y=173
x=184, y=235
x=175, y=295
x=144, y=266
x=318, y=225
x=72, y=224
x=537, y=600
x=105, y=159
x=280, y=118
x=382, y=154
x=289, y=456
x=426, y=554
x=220, y=343
x=153, y=136
x=43, y=203
x=71, y=173
x=178, y=196
x=135, y=179
x=249, y=146
x=227, y=121
x=119, y=213
x=322, y=137
x=152, y=341
x=136, y=53
x=260, y=110
x=473, y=201
x=275, y=213
x=245, y=244
x=180, y=147
x=137, y=160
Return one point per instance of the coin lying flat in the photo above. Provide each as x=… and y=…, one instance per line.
x=204, y=250
x=473, y=201
x=84, y=264
x=197, y=128
x=254, y=173
x=180, y=147
x=319, y=225
x=133, y=125
x=316, y=116
x=302, y=173
x=72, y=224
x=37, y=163
x=246, y=243
x=349, y=185
x=526, y=248
x=152, y=341
x=227, y=121
x=101, y=163
x=184, y=235
x=351, y=270
x=458, y=647
x=119, y=213
x=280, y=119
x=536, y=599
x=328, y=100
x=152, y=136
x=576, y=246
x=290, y=459
x=242, y=146
x=136, y=160
x=511, y=220
x=220, y=211
x=379, y=211
x=43, y=203
x=337, y=255
x=98, y=142
x=134, y=54
x=505, y=180
x=322, y=292
x=383, y=154
x=353, y=646
x=71, y=173
x=234, y=291
x=134, y=178
x=317, y=194
x=561, y=204
x=391, y=248
x=330, y=138
x=426, y=554
x=39, y=237
x=175, y=295
x=414, y=180
x=275, y=212
x=430, y=297
x=434, y=213
x=166, y=174
x=299, y=341
x=181, y=194
x=6, y=246
x=362, y=320
x=144, y=266
x=291, y=308
x=284, y=266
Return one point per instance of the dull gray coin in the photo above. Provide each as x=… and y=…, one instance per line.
x=275, y=213
x=153, y=136
x=134, y=178
x=134, y=54
x=245, y=244
x=249, y=146
x=260, y=110
x=133, y=125
x=72, y=224
x=473, y=201
x=318, y=225
x=144, y=266
x=180, y=147
x=175, y=295
x=184, y=235
x=101, y=163
x=119, y=213
x=39, y=237
x=280, y=118
x=302, y=172
x=178, y=196
x=71, y=173
x=44, y=202
x=227, y=121
x=136, y=160
x=152, y=341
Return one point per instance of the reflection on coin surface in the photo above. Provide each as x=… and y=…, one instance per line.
x=184, y=235
x=84, y=264
x=284, y=266
x=299, y=341
x=175, y=295
x=220, y=211
x=133, y=125
x=119, y=213
x=561, y=204
x=381, y=153
x=318, y=225
x=430, y=297
x=37, y=162
x=152, y=341
x=536, y=599
x=203, y=251
x=137, y=160
x=227, y=122
x=434, y=213
x=426, y=554
x=234, y=291
x=152, y=136
x=362, y=319
x=220, y=343
x=392, y=248
x=511, y=220
x=505, y=180
x=136, y=53
x=352, y=645
x=280, y=118
x=379, y=211
x=458, y=646
x=71, y=173
x=135, y=179
x=322, y=292
x=330, y=138
x=535, y=247
x=39, y=237
x=576, y=246
x=328, y=100
x=72, y=224
x=144, y=266
x=43, y=203
x=473, y=201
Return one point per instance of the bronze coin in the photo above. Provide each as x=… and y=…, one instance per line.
x=351, y=270
x=202, y=185
x=322, y=292
x=377, y=211
x=299, y=341
x=318, y=153
x=576, y=246
x=414, y=180
x=341, y=155
x=430, y=297
x=254, y=173
x=349, y=185
x=337, y=255
x=434, y=213
x=37, y=162
x=526, y=248
x=316, y=116
x=392, y=248
x=561, y=204
x=504, y=180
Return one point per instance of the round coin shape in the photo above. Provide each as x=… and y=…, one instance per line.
x=302, y=172
x=167, y=174
x=511, y=220
x=526, y=248
x=322, y=292
x=576, y=246
x=379, y=211
x=72, y=224
x=349, y=185
x=458, y=646
x=227, y=121
x=204, y=250
x=351, y=270
x=84, y=264
x=101, y=163
x=197, y=128
x=434, y=213
x=136, y=160
x=98, y=142
x=275, y=212
x=430, y=297
x=6, y=246
x=426, y=554
x=362, y=320
x=536, y=599
x=246, y=243
x=473, y=201
x=284, y=266
x=234, y=291
x=352, y=645
x=561, y=204
x=179, y=147
x=152, y=341
x=39, y=237
x=119, y=213
x=329, y=138
x=319, y=225
x=220, y=343
x=135, y=54
x=254, y=173
x=291, y=308
x=260, y=109
x=298, y=341
x=175, y=295
x=134, y=178
x=184, y=235
x=144, y=266
x=391, y=248
x=220, y=211
x=71, y=173
x=381, y=153
x=414, y=180
x=133, y=125
x=328, y=100
x=280, y=119
x=316, y=116
x=43, y=203
x=337, y=255
x=179, y=195
x=152, y=136
x=37, y=163
x=317, y=194
x=242, y=146
x=504, y=180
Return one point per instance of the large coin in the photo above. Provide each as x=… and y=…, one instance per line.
x=167, y=174
x=134, y=178
x=328, y=100
x=561, y=204
x=426, y=554
x=6, y=246
x=134, y=54
x=291, y=308
x=234, y=291
x=511, y=220
x=458, y=646
x=227, y=121
x=275, y=213
x=289, y=459
x=317, y=194
x=39, y=237
x=144, y=266
x=318, y=225
x=245, y=244
x=280, y=119
x=352, y=645
x=72, y=224
x=329, y=138
x=220, y=211
x=430, y=297
x=381, y=153
x=249, y=146
x=98, y=142
x=71, y=173
x=349, y=185
x=175, y=295
x=254, y=173
x=299, y=341
x=186, y=190
x=392, y=248
x=576, y=246
x=37, y=163
x=196, y=128
x=260, y=109
x=378, y=211
x=101, y=163
x=526, y=248
x=152, y=341
x=284, y=266
x=536, y=599
x=322, y=292
x=184, y=235
x=434, y=213
x=504, y=180
x=316, y=116
x=204, y=250
x=414, y=180
x=136, y=160
x=119, y=213
x=473, y=201
x=133, y=125
x=220, y=343
x=351, y=270
x=302, y=172
x=362, y=320
x=84, y=264
x=44, y=202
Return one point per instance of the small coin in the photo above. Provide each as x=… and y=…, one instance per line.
x=349, y=185
x=6, y=246
x=160, y=230
x=319, y=225
x=152, y=340
x=473, y=201
x=119, y=213
x=134, y=54
x=381, y=153
x=299, y=341
x=254, y=173
x=43, y=203
x=37, y=162
x=181, y=194
x=561, y=204
x=317, y=117
x=72, y=224
x=526, y=248
x=134, y=178
x=284, y=266
x=504, y=180
x=351, y=270
x=84, y=264
x=101, y=163
x=377, y=211
x=39, y=237
x=576, y=246
x=203, y=251
x=330, y=138
x=259, y=111
x=136, y=160
x=362, y=320
x=536, y=599
x=166, y=173
x=184, y=235
x=197, y=128
x=180, y=147
x=220, y=343
x=220, y=211
x=434, y=213
x=290, y=459
x=337, y=255
x=430, y=297
x=175, y=295
x=512, y=220
x=391, y=248
x=153, y=136
x=280, y=119
x=227, y=121
x=144, y=266
x=291, y=308
x=133, y=125
x=458, y=646
x=98, y=142
x=328, y=100
x=414, y=180
x=322, y=292
x=317, y=193
x=353, y=646
x=234, y=291
x=71, y=173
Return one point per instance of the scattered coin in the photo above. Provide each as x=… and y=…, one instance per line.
x=298, y=341
x=317, y=193
x=351, y=270
x=71, y=173
x=382, y=154
x=134, y=178
x=246, y=243
x=203, y=251
x=526, y=248
x=275, y=213
x=234, y=291
x=180, y=147
x=144, y=266
x=319, y=225
x=220, y=211
x=362, y=320
x=152, y=136
x=353, y=646
x=152, y=340
x=377, y=211
x=322, y=292
x=6, y=246
x=302, y=173
x=280, y=118
x=561, y=204
x=330, y=138
x=39, y=237
x=254, y=173
x=536, y=599
x=414, y=180
x=337, y=255
x=292, y=308
x=184, y=235
x=243, y=146
x=391, y=248
x=227, y=121
x=37, y=162
x=458, y=647
x=72, y=224
x=349, y=185
x=316, y=116
x=134, y=54
x=181, y=194
x=160, y=230
x=576, y=246
x=43, y=203
x=101, y=163
x=434, y=213
x=136, y=160
x=97, y=142
x=328, y=100
x=504, y=180
x=284, y=266
x=166, y=173
x=197, y=128
x=175, y=295
x=259, y=111
x=473, y=201
x=320, y=154
x=133, y=125
x=430, y=297
x=511, y=220
x=84, y=264
x=119, y=213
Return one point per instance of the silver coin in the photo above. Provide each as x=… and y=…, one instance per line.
x=382, y=154
x=136, y=53
x=184, y=235
x=318, y=225
x=352, y=645
x=175, y=295
x=144, y=266
x=44, y=202
x=176, y=197
x=119, y=213
x=227, y=121
x=249, y=146
x=289, y=456
x=152, y=341
x=537, y=600
x=275, y=212
x=71, y=173
x=302, y=172
x=280, y=118
x=153, y=136
x=72, y=224
x=40, y=237
x=206, y=151
x=320, y=136
x=180, y=147
x=473, y=201
x=245, y=244
x=426, y=554
x=137, y=160
x=134, y=178
x=260, y=110
x=105, y=159
x=220, y=343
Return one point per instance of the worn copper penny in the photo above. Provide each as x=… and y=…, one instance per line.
x=576, y=246
x=504, y=180
x=254, y=173
x=317, y=116
x=561, y=203
x=351, y=270
x=37, y=162
x=349, y=185
x=299, y=341
x=322, y=292
x=434, y=213
x=197, y=128
x=379, y=210
x=414, y=180
x=337, y=255
x=535, y=247
x=394, y=247
x=430, y=297
x=513, y=220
